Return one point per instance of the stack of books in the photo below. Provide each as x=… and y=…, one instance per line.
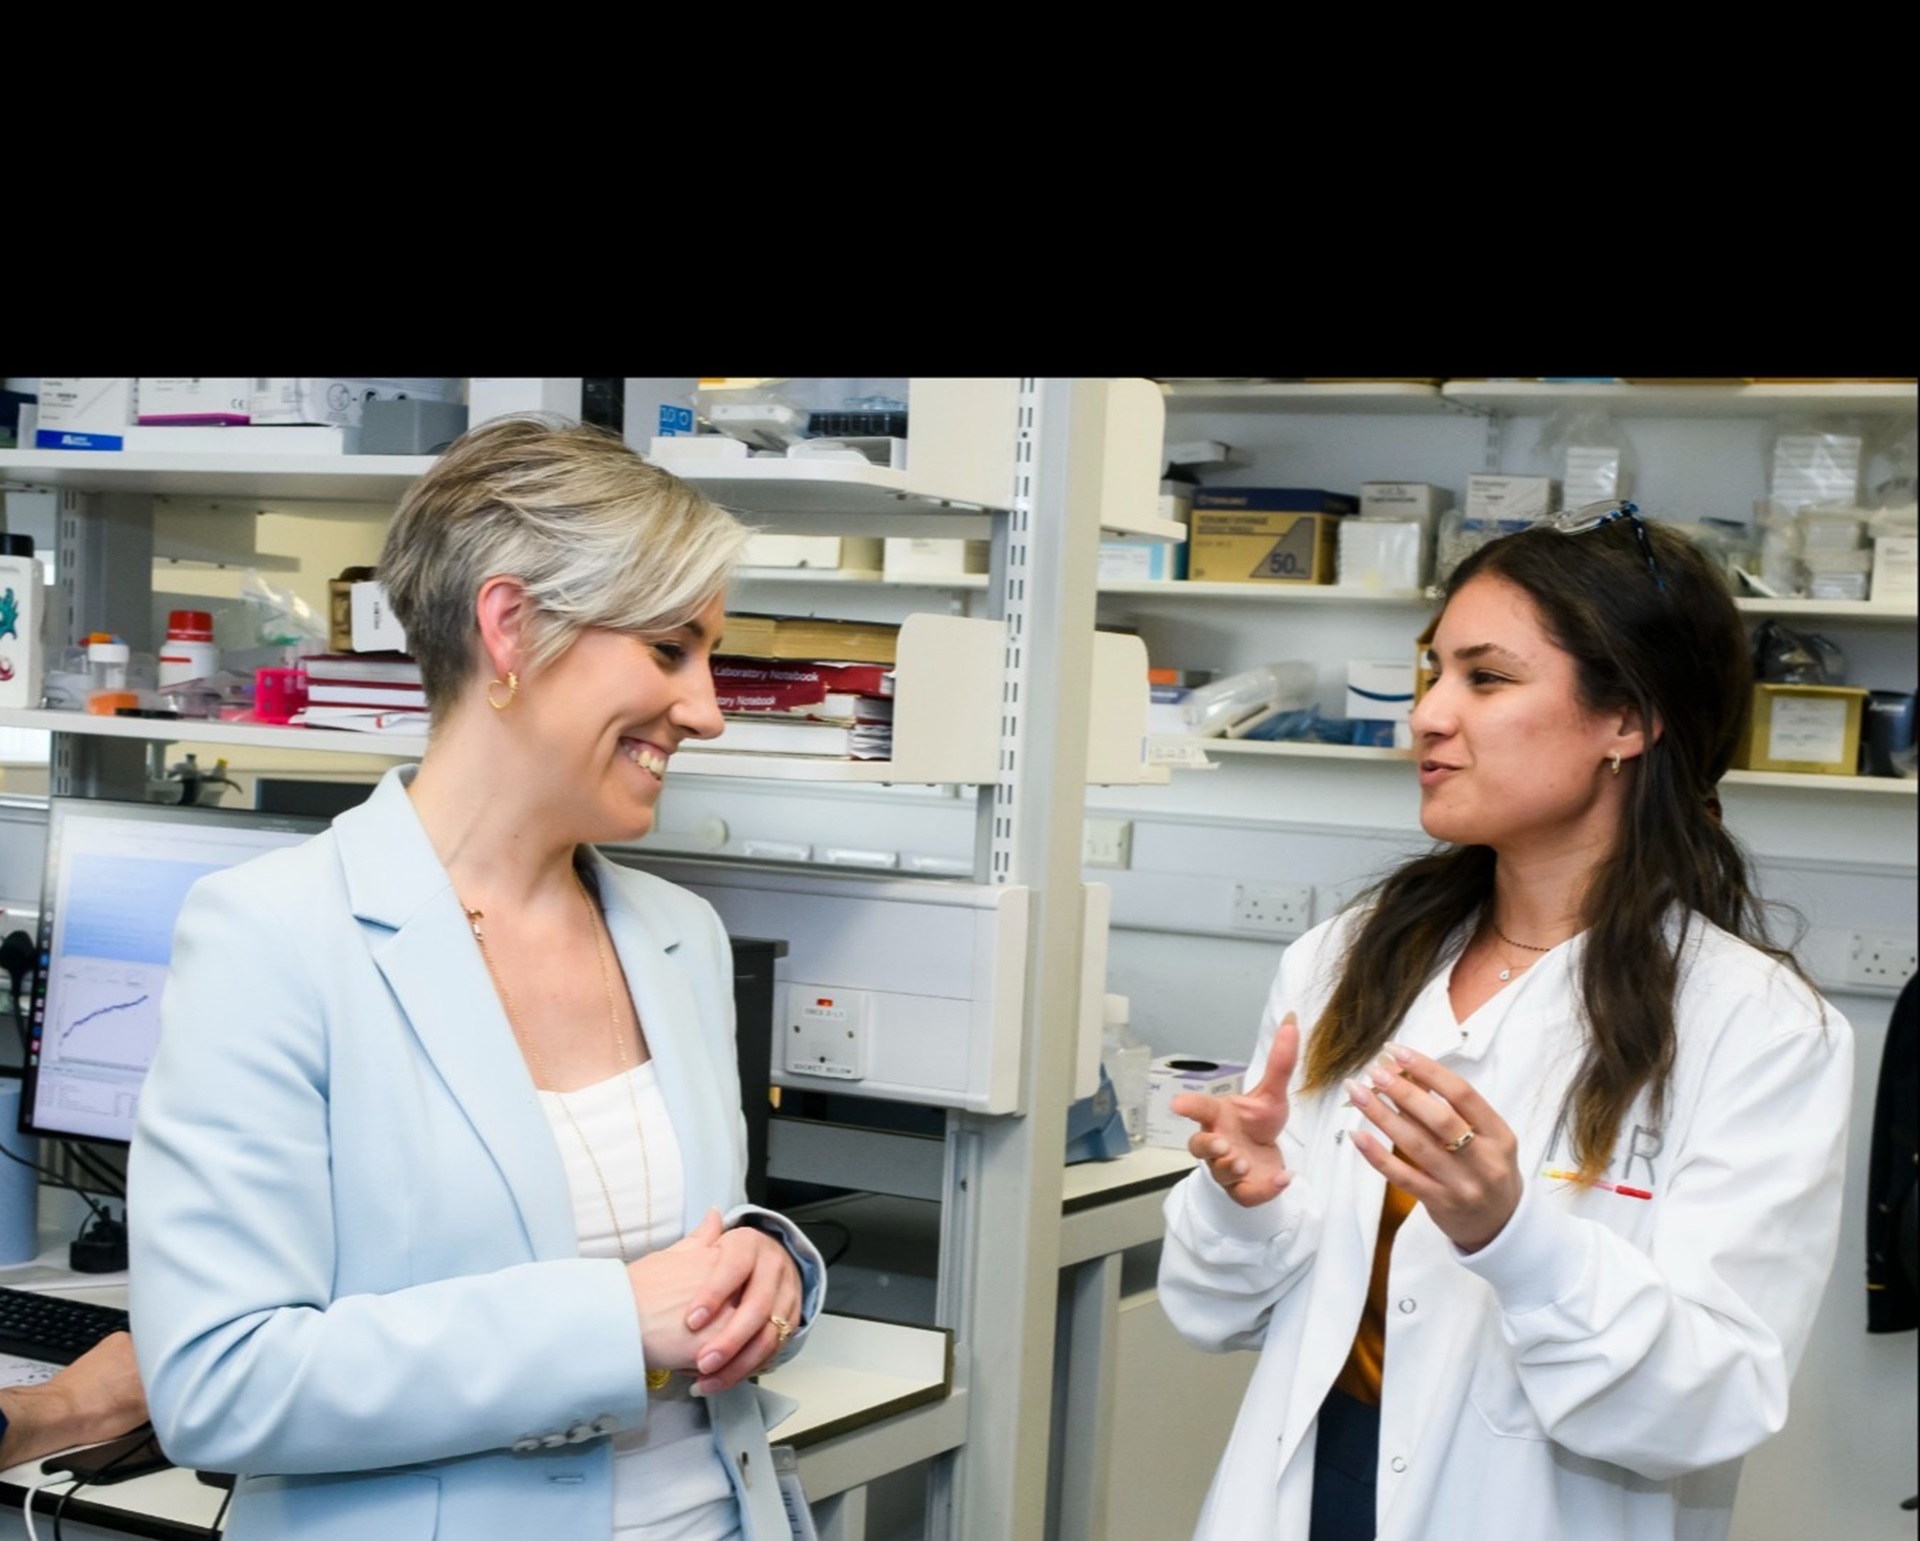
x=802, y=685
x=364, y=693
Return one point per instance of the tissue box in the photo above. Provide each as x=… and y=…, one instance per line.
x=1172, y=1074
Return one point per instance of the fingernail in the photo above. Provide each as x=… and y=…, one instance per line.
x=711, y=1362
x=1360, y=1095
x=698, y=1318
x=1401, y=1052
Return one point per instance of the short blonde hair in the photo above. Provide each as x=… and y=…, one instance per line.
x=598, y=536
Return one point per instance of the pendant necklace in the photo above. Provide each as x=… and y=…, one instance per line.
x=656, y=1379
x=1515, y=968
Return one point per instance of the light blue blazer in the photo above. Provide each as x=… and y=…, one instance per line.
x=355, y=1277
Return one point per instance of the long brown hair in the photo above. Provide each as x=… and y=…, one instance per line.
x=1674, y=650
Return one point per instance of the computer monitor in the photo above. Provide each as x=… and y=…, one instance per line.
x=116, y=874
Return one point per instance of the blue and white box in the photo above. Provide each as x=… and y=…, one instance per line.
x=83, y=414
x=1379, y=690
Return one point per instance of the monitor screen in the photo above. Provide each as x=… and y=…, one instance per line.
x=116, y=875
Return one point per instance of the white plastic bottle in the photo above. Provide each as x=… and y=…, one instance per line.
x=23, y=581
x=189, y=652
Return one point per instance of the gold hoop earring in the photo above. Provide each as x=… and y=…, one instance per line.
x=1616, y=755
x=513, y=689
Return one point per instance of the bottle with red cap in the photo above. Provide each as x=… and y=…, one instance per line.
x=189, y=652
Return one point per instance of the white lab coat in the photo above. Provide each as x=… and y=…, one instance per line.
x=1601, y=1367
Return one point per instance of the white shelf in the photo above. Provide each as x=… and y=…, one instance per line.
x=1165, y=744
x=1683, y=400
x=1278, y=749
x=279, y=478
x=1483, y=396
x=1267, y=593
x=1871, y=786
x=1889, y=612
x=1398, y=396
x=195, y=730
x=812, y=487
x=835, y=575
x=1893, y=612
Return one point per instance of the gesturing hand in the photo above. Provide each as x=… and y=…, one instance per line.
x=1239, y=1136
x=1451, y=1151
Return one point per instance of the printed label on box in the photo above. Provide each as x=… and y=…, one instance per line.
x=1811, y=731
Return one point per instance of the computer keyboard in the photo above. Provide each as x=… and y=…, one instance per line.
x=54, y=1328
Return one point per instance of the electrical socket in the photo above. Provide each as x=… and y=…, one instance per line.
x=1279, y=909
x=1881, y=960
x=1106, y=843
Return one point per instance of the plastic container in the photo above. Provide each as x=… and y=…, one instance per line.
x=189, y=652
x=1230, y=707
x=23, y=587
x=107, y=661
x=278, y=694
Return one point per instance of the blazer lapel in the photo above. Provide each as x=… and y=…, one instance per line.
x=646, y=938
x=423, y=945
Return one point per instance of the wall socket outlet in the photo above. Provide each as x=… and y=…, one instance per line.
x=1881, y=961
x=1278, y=909
x=1106, y=842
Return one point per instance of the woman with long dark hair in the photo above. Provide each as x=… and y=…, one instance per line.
x=1535, y=1185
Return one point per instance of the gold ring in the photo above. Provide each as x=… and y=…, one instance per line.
x=1454, y=1147
x=782, y=1328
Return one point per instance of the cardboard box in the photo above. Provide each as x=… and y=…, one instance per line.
x=837, y=552
x=374, y=628
x=193, y=401
x=1259, y=546
x=1511, y=497
x=1141, y=561
x=1896, y=567
x=1172, y=1074
x=337, y=401
x=1379, y=689
x=340, y=607
x=1404, y=500
x=1814, y=729
x=83, y=414
x=907, y=557
x=1277, y=500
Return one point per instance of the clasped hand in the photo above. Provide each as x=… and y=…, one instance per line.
x=713, y=1302
x=1436, y=1138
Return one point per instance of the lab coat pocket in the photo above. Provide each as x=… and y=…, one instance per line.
x=1497, y=1395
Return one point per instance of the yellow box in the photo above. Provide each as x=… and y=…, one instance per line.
x=1809, y=728
x=1249, y=545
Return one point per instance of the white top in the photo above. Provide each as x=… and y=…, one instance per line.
x=1598, y=1370
x=668, y=1481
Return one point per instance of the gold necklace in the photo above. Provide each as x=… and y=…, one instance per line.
x=1515, y=968
x=656, y=1379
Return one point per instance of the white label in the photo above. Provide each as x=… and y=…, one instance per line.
x=1807, y=730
